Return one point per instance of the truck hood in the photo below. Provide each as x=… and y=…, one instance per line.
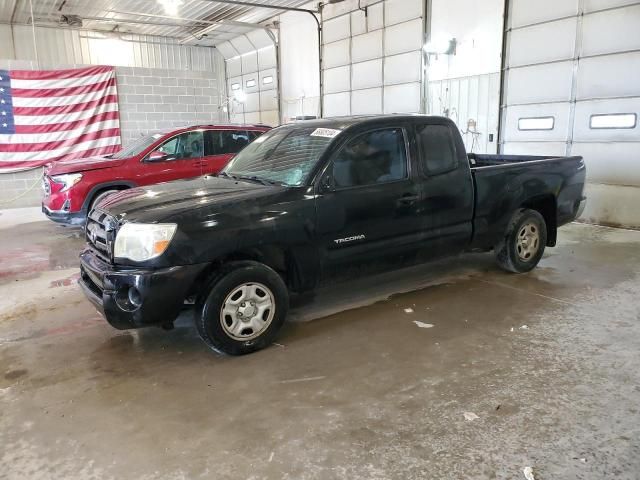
x=82, y=165
x=182, y=199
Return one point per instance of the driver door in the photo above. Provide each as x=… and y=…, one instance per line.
x=369, y=209
x=184, y=159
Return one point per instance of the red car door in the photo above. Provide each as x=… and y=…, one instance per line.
x=220, y=146
x=181, y=156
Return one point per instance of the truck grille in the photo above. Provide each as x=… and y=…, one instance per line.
x=101, y=233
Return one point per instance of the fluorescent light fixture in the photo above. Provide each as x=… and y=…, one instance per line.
x=613, y=120
x=267, y=80
x=250, y=83
x=235, y=86
x=536, y=123
x=240, y=96
x=171, y=7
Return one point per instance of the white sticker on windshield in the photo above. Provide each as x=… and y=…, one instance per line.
x=325, y=132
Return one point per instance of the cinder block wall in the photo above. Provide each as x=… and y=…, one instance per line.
x=23, y=189
x=150, y=99
x=155, y=99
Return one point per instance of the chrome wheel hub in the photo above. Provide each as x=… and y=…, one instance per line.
x=528, y=241
x=247, y=311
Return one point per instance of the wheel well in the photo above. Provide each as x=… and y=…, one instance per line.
x=546, y=206
x=272, y=256
x=101, y=190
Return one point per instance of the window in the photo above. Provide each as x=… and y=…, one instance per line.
x=536, y=123
x=437, y=148
x=613, y=120
x=250, y=83
x=285, y=155
x=235, y=86
x=186, y=145
x=267, y=80
x=375, y=157
x=220, y=142
x=137, y=147
x=253, y=134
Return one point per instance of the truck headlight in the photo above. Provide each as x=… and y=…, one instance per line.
x=143, y=241
x=67, y=181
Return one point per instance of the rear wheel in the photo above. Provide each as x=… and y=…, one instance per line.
x=523, y=244
x=243, y=309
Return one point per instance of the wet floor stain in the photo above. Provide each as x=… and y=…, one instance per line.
x=65, y=282
x=361, y=392
x=23, y=262
x=15, y=374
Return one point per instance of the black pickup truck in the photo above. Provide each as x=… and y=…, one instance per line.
x=306, y=201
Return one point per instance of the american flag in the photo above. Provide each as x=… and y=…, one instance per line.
x=51, y=115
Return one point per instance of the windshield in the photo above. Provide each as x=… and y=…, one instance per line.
x=284, y=155
x=136, y=147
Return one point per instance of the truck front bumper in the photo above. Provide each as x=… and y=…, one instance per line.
x=132, y=297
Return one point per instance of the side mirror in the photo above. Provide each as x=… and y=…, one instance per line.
x=158, y=156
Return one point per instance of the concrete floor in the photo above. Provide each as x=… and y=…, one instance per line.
x=548, y=362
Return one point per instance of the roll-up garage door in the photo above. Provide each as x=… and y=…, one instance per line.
x=572, y=87
x=252, y=78
x=372, y=62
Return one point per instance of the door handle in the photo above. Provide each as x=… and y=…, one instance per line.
x=408, y=199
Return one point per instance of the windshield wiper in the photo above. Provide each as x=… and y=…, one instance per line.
x=263, y=181
x=224, y=174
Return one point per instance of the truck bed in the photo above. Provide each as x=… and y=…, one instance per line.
x=478, y=161
x=502, y=182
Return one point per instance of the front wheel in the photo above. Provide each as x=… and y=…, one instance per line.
x=244, y=308
x=523, y=244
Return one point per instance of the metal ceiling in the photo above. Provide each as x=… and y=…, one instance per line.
x=149, y=17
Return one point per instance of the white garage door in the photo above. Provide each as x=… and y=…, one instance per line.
x=372, y=63
x=251, y=61
x=572, y=87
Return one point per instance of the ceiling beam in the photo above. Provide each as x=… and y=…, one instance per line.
x=187, y=19
x=262, y=5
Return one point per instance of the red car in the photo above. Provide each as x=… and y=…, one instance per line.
x=72, y=187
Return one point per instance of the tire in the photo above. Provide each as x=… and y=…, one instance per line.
x=523, y=244
x=242, y=309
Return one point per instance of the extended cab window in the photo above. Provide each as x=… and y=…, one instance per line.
x=185, y=145
x=221, y=142
x=374, y=157
x=437, y=149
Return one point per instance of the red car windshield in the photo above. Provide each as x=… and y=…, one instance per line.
x=136, y=147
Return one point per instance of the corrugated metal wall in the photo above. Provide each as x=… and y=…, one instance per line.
x=471, y=102
x=58, y=47
x=464, y=84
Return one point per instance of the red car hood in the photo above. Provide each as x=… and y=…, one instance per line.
x=82, y=165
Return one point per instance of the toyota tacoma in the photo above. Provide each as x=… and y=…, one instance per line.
x=308, y=200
